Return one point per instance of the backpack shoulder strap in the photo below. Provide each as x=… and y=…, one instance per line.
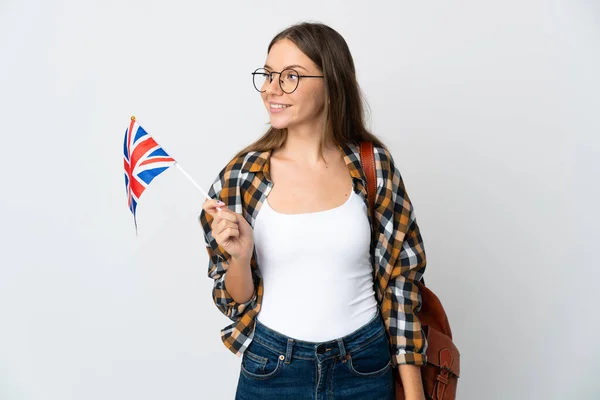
x=367, y=160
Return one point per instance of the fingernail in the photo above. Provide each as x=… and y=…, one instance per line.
x=220, y=203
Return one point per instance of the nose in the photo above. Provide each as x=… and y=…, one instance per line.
x=272, y=85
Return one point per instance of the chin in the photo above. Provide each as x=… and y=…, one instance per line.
x=279, y=123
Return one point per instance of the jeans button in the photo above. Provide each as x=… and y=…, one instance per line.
x=322, y=349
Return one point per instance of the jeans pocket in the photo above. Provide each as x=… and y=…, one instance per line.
x=372, y=359
x=260, y=363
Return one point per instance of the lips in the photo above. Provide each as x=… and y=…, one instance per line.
x=279, y=106
x=275, y=108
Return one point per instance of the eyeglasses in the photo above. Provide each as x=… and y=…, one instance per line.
x=288, y=79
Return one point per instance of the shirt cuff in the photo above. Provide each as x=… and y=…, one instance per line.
x=409, y=358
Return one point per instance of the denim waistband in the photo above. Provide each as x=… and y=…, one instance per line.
x=311, y=350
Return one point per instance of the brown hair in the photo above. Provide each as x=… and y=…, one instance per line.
x=330, y=52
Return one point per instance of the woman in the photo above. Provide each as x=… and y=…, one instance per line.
x=288, y=235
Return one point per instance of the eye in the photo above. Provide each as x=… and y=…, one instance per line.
x=291, y=76
x=263, y=76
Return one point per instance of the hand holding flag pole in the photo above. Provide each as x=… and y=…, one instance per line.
x=144, y=160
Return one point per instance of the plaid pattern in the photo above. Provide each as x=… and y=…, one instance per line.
x=399, y=255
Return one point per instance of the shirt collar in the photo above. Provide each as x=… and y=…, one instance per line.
x=258, y=162
x=352, y=160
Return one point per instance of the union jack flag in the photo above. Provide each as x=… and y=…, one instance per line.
x=144, y=161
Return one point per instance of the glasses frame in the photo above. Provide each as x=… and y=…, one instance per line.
x=271, y=73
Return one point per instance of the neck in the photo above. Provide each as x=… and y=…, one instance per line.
x=303, y=144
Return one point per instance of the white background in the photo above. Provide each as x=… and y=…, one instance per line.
x=490, y=109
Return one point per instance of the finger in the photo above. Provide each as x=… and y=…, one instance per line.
x=211, y=206
x=215, y=222
x=222, y=225
x=232, y=232
x=221, y=216
x=227, y=215
x=226, y=235
x=228, y=224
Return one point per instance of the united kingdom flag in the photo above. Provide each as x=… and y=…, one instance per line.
x=144, y=161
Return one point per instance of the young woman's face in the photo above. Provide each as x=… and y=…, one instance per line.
x=306, y=105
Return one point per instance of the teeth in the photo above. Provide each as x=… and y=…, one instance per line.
x=279, y=105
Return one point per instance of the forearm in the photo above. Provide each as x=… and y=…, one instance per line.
x=238, y=280
x=411, y=381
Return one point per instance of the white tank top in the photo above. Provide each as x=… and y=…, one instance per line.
x=316, y=270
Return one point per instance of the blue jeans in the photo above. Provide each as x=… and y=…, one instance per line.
x=357, y=366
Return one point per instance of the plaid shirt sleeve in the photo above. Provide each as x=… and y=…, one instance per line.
x=226, y=188
x=401, y=256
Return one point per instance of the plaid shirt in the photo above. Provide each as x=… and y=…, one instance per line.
x=399, y=256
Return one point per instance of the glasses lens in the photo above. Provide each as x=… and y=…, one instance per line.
x=289, y=80
x=260, y=77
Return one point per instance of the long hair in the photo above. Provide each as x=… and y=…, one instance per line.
x=345, y=119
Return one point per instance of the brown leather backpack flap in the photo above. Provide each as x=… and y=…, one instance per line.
x=441, y=352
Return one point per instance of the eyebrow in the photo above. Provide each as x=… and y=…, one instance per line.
x=289, y=66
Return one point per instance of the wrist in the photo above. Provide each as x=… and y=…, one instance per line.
x=241, y=259
x=412, y=383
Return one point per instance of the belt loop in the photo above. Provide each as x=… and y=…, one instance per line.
x=343, y=355
x=288, y=352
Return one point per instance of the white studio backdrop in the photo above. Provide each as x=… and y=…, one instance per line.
x=490, y=109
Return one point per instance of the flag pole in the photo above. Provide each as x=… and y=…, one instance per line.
x=194, y=183
x=191, y=180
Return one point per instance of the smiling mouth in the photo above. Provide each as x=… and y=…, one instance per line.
x=279, y=106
